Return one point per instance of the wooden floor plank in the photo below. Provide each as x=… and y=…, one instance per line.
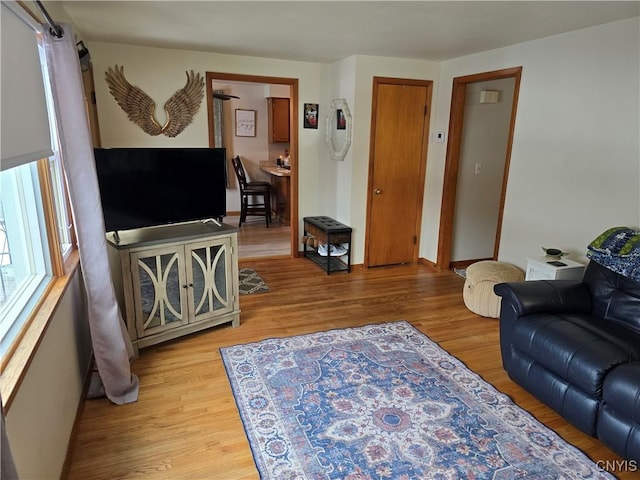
x=255, y=240
x=186, y=425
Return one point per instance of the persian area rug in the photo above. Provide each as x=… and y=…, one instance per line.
x=385, y=402
x=250, y=282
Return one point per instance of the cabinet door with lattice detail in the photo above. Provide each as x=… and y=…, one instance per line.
x=208, y=264
x=159, y=289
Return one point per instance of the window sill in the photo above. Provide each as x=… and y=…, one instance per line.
x=15, y=366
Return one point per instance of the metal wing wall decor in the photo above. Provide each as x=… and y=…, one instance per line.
x=141, y=109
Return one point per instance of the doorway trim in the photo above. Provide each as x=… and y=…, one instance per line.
x=452, y=160
x=293, y=132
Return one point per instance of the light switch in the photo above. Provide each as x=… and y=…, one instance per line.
x=478, y=168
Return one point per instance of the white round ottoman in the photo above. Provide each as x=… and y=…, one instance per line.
x=478, y=287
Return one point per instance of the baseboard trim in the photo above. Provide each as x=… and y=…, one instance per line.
x=466, y=263
x=429, y=263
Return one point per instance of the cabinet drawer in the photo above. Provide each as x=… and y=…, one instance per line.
x=321, y=235
x=539, y=269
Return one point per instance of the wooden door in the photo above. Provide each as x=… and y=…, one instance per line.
x=400, y=124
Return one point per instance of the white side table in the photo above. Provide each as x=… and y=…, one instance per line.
x=540, y=268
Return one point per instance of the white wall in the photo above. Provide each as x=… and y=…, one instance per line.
x=160, y=72
x=567, y=136
x=339, y=174
x=575, y=164
x=41, y=417
x=326, y=187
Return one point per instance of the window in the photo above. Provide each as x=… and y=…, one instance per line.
x=59, y=197
x=35, y=233
x=26, y=266
x=56, y=173
x=28, y=253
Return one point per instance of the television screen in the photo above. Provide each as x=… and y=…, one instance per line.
x=143, y=187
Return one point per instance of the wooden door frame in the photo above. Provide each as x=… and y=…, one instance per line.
x=452, y=160
x=293, y=133
x=423, y=163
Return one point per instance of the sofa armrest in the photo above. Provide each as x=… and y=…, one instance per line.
x=544, y=296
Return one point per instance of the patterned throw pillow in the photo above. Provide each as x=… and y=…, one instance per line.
x=618, y=249
x=617, y=241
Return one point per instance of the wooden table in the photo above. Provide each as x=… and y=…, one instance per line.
x=281, y=188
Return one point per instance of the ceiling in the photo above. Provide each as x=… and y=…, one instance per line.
x=326, y=31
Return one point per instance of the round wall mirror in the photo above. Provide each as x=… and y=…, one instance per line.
x=338, y=129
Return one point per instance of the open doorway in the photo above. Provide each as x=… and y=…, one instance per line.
x=256, y=150
x=483, y=112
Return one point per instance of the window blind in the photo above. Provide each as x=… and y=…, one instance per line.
x=24, y=128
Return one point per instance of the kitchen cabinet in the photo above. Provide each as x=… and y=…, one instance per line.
x=278, y=109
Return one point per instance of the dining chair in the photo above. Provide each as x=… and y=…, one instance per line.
x=255, y=197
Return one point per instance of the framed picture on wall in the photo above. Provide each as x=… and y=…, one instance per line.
x=341, y=121
x=310, y=115
x=245, y=123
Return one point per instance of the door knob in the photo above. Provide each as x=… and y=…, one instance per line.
x=377, y=191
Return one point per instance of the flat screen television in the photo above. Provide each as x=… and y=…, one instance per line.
x=144, y=187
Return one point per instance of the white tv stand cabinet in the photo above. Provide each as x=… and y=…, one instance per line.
x=173, y=280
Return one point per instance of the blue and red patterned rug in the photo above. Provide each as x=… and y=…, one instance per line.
x=385, y=402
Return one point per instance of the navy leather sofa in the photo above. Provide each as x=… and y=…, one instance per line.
x=576, y=347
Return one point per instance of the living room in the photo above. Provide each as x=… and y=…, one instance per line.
x=556, y=72
x=574, y=172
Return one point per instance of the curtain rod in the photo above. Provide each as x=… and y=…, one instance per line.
x=55, y=29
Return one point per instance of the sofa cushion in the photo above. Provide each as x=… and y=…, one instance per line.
x=577, y=407
x=619, y=417
x=614, y=297
x=579, y=349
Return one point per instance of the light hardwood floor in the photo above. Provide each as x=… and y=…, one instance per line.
x=185, y=424
x=255, y=240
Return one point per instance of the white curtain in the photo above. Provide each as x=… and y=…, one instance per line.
x=7, y=467
x=111, y=344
